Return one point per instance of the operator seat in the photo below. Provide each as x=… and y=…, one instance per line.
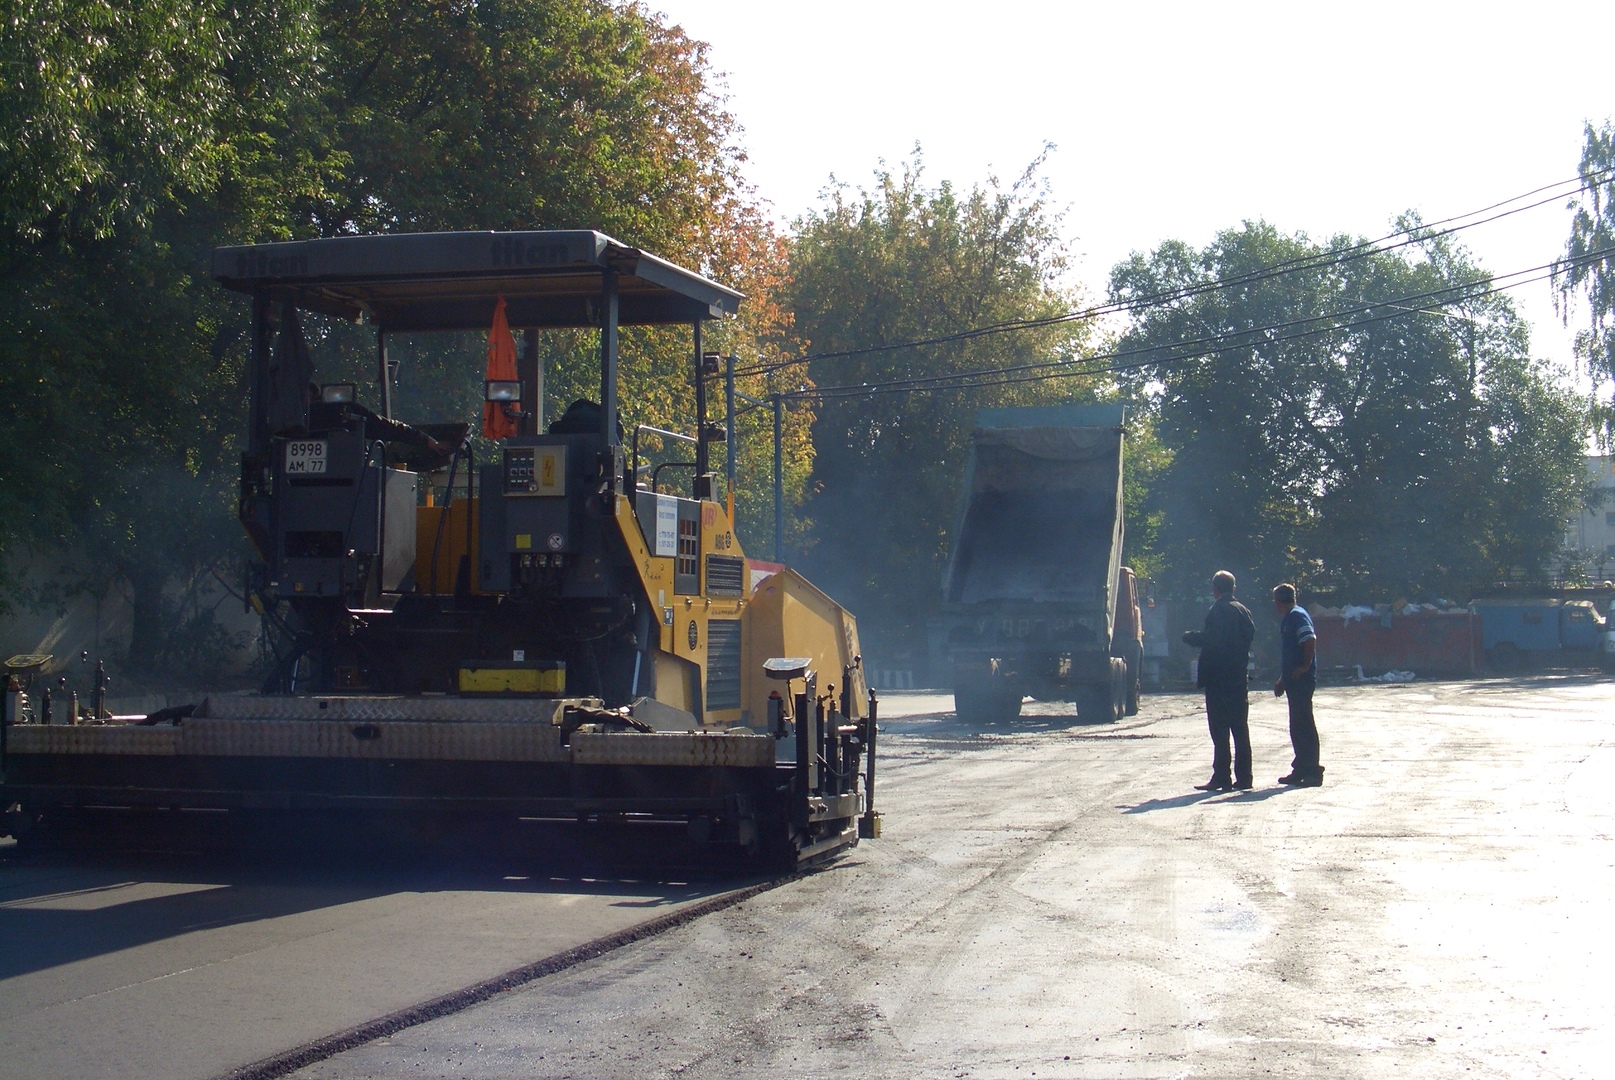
x=582, y=417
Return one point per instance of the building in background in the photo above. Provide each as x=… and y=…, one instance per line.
x=1592, y=535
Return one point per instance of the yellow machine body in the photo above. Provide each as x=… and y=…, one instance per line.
x=784, y=615
x=789, y=616
x=442, y=529
x=781, y=614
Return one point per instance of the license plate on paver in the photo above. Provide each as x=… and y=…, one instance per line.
x=305, y=456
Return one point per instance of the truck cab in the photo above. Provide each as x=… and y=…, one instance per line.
x=1524, y=633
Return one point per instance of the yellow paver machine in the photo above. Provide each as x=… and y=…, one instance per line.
x=547, y=635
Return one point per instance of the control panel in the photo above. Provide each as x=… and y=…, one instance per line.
x=534, y=470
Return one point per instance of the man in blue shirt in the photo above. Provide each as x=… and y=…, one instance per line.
x=1298, y=678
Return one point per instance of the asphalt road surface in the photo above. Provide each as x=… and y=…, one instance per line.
x=1054, y=900
x=170, y=969
x=1049, y=899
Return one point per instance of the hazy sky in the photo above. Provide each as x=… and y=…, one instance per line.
x=1177, y=120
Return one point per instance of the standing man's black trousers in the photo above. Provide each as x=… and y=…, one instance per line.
x=1228, y=715
x=1303, y=729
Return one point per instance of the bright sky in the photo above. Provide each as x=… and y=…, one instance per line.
x=1177, y=120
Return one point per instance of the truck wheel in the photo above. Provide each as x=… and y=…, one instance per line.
x=987, y=701
x=1119, y=686
x=1135, y=680
x=1505, y=658
x=1096, y=705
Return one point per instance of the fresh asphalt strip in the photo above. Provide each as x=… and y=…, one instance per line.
x=300, y=1057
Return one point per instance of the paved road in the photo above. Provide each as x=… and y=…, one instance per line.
x=131, y=969
x=1053, y=900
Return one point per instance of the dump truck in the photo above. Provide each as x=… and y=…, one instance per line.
x=545, y=632
x=1036, y=602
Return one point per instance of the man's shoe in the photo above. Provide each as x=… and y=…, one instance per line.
x=1214, y=785
x=1245, y=786
x=1315, y=780
x=1290, y=778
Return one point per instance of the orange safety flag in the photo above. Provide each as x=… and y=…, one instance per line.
x=497, y=422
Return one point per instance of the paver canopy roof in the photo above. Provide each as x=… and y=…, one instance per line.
x=451, y=281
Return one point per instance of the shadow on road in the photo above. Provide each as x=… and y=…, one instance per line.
x=1174, y=803
x=947, y=725
x=1222, y=798
x=1260, y=795
x=58, y=908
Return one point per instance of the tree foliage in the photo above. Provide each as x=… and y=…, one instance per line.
x=132, y=137
x=899, y=262
x=1386, y=451
x=115, y=115
x=136, y=136
x=1588, y=266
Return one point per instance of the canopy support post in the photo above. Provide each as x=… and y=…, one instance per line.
x=608, y=356
x=258, y=375
x=779, y=482
x=532, y=380
x=384, y=375
x=703, y=489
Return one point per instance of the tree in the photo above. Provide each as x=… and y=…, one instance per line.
x=878, y=268
x=133, y=137
x=1536, y=457
x=1329, y=426
x=524, y=114
x=1588, y=266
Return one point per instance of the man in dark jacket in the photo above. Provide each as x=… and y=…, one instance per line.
x=1224, y=646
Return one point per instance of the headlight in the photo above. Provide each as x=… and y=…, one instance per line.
x=501, y=390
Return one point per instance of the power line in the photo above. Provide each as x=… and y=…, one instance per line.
x=1208, y=345
x=1143, y=358
x=1335, y=257
x=1324, y=259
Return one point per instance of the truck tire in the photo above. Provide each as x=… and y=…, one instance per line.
x=1106, y=702
x=1096, y=705
x=987, y=701
x=1119, y=686
x=1135, y=678
x=1505, y=658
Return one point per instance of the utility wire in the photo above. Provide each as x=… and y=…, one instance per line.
x=1321, y=260
x=1142, y=358
x=1432, y=301
x=1306, y=262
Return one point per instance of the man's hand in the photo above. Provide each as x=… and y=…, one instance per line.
x=1278, y=688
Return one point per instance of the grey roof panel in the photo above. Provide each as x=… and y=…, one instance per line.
x=451, y=281
x=1053, y=416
